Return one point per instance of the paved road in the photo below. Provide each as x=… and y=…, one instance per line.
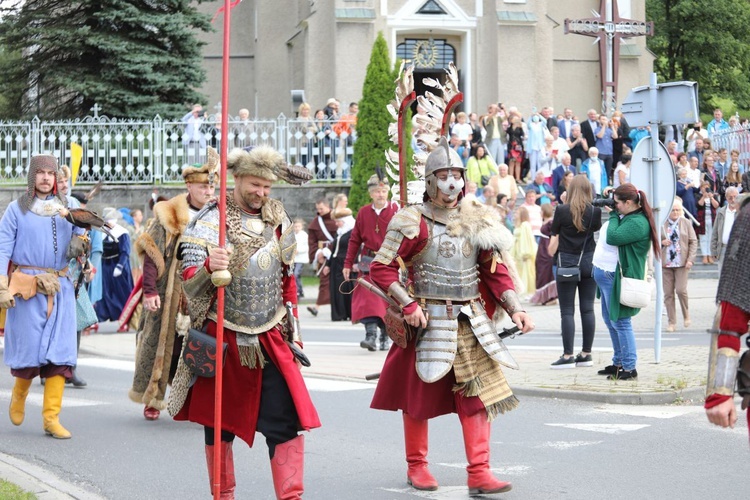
x=548, y=447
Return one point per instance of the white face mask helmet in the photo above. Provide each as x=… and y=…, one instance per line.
x=441, y=158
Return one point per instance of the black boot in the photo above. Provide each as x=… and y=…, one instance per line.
x=76, y=380
x=371, y=335
x=385, y=341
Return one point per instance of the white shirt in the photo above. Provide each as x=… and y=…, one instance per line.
x=606, y=256
x=694, y=174
x=595, y=174
x=301, y=257
x=728, y=223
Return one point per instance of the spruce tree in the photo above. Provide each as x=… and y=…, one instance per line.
x=135, y=58
x=372, y=123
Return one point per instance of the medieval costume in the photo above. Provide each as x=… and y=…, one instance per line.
x=36, y=244
x=367, y=237
x=546, y=286
x=340, y=288
x=117, y=278
x=263, y=389
x=726, y=369
x=320, y=233
x=159, y=341
x=453, y=256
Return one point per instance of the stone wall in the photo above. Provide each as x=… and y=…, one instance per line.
x=298, y=200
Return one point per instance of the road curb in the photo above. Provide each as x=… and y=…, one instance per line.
x=43, y=484
x=619, y=398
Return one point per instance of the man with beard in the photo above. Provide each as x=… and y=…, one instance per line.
x=262, y=385
x=319, y=234
x=159, y=344
x=367, y=237
x=458, y=277
x=36, y=245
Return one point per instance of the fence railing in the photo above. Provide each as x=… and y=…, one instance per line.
x=155, y=151
x=737, y=138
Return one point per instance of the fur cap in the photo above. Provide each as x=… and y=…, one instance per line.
x=206, y=173
x=262, y=161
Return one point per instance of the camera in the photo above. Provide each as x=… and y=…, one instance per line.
x=604, y=202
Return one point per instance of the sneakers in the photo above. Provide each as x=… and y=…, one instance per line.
x=563, y=363
x=670, y=327
x=688, y=322
x=624, y=375
x=582, y=361
x=609, y=370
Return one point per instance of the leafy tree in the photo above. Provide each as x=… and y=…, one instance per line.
x=706, y=41
x=135, y=58
x=372, y=123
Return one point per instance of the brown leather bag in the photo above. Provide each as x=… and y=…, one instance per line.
x=22, y=285
x=397, y=328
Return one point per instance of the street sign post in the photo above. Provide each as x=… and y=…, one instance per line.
x=654, y=105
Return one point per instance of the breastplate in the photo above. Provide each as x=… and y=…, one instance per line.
x=446, y=269
x=253, y=303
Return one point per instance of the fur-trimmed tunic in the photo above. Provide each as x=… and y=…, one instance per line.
x=156, y=337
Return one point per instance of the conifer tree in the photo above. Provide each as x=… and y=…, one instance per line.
x=135, y=58
x=372, y=123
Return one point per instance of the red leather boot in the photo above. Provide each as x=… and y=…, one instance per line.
x=226, y=480
x=415, y=442
x=476, y=430
x=288, y=469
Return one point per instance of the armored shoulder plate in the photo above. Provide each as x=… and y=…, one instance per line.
x=405, y=223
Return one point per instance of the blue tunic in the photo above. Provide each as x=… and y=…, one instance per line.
x=32, y=339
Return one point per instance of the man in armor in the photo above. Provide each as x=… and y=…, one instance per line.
x=36, y=244
x=367, y=237
x=159, y=344
x=263, y=389
x=726, y=369
x=442, y=263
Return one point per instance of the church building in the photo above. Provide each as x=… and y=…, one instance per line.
x=510, y=51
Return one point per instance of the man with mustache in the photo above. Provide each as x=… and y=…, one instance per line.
x=262, y=383
x=36, y=245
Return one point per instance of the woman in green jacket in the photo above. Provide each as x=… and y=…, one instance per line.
x=631, y=231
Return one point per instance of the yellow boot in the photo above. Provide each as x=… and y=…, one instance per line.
x=18, y=400
x=53, y=392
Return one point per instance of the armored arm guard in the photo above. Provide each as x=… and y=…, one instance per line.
x=510, y=302
x=400, y=294
x=722, y=367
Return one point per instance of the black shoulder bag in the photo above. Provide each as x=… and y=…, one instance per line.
x=573, y=273
x=199, y=354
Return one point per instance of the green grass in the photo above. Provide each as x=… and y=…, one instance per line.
x=310, y=281
x=9, y=491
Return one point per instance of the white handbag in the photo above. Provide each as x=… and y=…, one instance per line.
x=634, y=292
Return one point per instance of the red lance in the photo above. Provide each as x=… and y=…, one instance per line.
x=219, y=379
x=402, y=166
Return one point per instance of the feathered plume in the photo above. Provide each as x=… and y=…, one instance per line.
x=294, y=175
x=94, y=191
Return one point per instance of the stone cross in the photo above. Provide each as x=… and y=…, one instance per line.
x=609, y=28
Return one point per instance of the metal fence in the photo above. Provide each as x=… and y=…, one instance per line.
x=737, y=138
x=155, y=151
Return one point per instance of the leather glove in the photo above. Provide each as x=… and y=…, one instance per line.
x=47, y=283
x=6, y=299
x=79, y=245
x=118, y=272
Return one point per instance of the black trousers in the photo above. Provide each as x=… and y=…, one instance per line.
x=566, y=294
x=277, y=418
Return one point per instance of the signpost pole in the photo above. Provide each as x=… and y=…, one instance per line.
x=655, y=205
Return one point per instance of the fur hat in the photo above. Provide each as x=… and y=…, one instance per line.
x=376, y=181
x=263, y=161
x=206, y=173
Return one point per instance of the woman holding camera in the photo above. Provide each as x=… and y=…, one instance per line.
x=573, y=228
x=622, y=253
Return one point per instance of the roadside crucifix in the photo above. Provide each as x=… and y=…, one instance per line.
x=609, y=28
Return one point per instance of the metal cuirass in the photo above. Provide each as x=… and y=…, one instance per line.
x=253, y=301
x=446, y=269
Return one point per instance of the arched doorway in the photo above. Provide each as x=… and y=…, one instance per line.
x=430, y=57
